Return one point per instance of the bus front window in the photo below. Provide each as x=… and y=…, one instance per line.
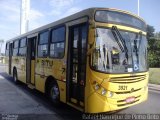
x=110, y=54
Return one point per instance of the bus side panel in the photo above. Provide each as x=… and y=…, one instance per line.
x=7, y=64
x=89, y=89
x=62, y=90
x=46, y=67
x=58, y=71
x=40, y=76
x=33, y=71
x=15, y=62
x=40, y=82
x=21, y=69
x=40, y=85
x=19, y=64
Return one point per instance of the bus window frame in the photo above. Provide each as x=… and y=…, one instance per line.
x=20, y=42
x=37, y=42
x=15, y=48
x=22, y=47
x=113, y=72
x=7, y=48
x=50, y=41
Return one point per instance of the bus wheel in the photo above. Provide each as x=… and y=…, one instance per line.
x=54, y=93
x=15, y=76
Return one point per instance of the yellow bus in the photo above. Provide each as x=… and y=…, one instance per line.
x=94, y=60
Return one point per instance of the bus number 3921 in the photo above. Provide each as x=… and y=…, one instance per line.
x=122, y=87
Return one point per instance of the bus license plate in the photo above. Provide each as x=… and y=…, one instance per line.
x=130, y=99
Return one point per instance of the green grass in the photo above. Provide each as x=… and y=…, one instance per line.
x=154, y=75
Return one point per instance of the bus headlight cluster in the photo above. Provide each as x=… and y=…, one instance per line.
x=102, y=90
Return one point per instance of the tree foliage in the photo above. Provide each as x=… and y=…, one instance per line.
x=154, y=52
x=150, y=31
x=153, y=47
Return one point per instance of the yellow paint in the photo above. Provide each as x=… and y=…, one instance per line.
x=20, y=64
x=32, y=71
x=40, y=83
x=62, y=89
x=51, y=67
x=120, y=27
x=96, y=102
x=7, y=64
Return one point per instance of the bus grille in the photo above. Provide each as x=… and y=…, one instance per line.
x=124, y=104
x=128, y=79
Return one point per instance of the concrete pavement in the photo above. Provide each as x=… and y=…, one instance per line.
x=13, y=100
x=19, y=100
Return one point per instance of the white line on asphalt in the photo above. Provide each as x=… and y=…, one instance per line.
x=1, y=77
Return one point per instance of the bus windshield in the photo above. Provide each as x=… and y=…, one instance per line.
x=109, y=57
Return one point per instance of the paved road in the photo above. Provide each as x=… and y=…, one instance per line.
x=19, y=99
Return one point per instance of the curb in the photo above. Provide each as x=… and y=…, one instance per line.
x=154, y=87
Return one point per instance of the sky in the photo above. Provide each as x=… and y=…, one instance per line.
x=43, y=12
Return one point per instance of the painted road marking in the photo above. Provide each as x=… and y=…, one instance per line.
x=1, y=77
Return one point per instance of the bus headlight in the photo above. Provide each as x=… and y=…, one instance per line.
x=104, y=91
x=96, y=87
x=110, y=94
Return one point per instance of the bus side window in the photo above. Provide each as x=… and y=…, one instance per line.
x=22, y=47
x=15, y=48
x=43, y=44
x=57, y=42
x=7, y=49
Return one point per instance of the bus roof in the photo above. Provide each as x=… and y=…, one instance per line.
x=87, y=12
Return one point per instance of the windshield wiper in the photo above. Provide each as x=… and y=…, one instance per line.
x=140, y=33
x=137, y=47
x=120, y=41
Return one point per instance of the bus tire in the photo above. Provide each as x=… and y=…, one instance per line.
x=54, y=93
x=15, y=78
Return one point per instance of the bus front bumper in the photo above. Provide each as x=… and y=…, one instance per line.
x=97, y=103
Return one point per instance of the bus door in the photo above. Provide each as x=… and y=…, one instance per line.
x=76, y=65
x=30, y=61
x=10, y=57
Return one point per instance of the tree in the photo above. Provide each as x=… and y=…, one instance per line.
x=150, y=31
x=1, y=43
x=153, y=47
x=157, y=35
x=154, y=52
